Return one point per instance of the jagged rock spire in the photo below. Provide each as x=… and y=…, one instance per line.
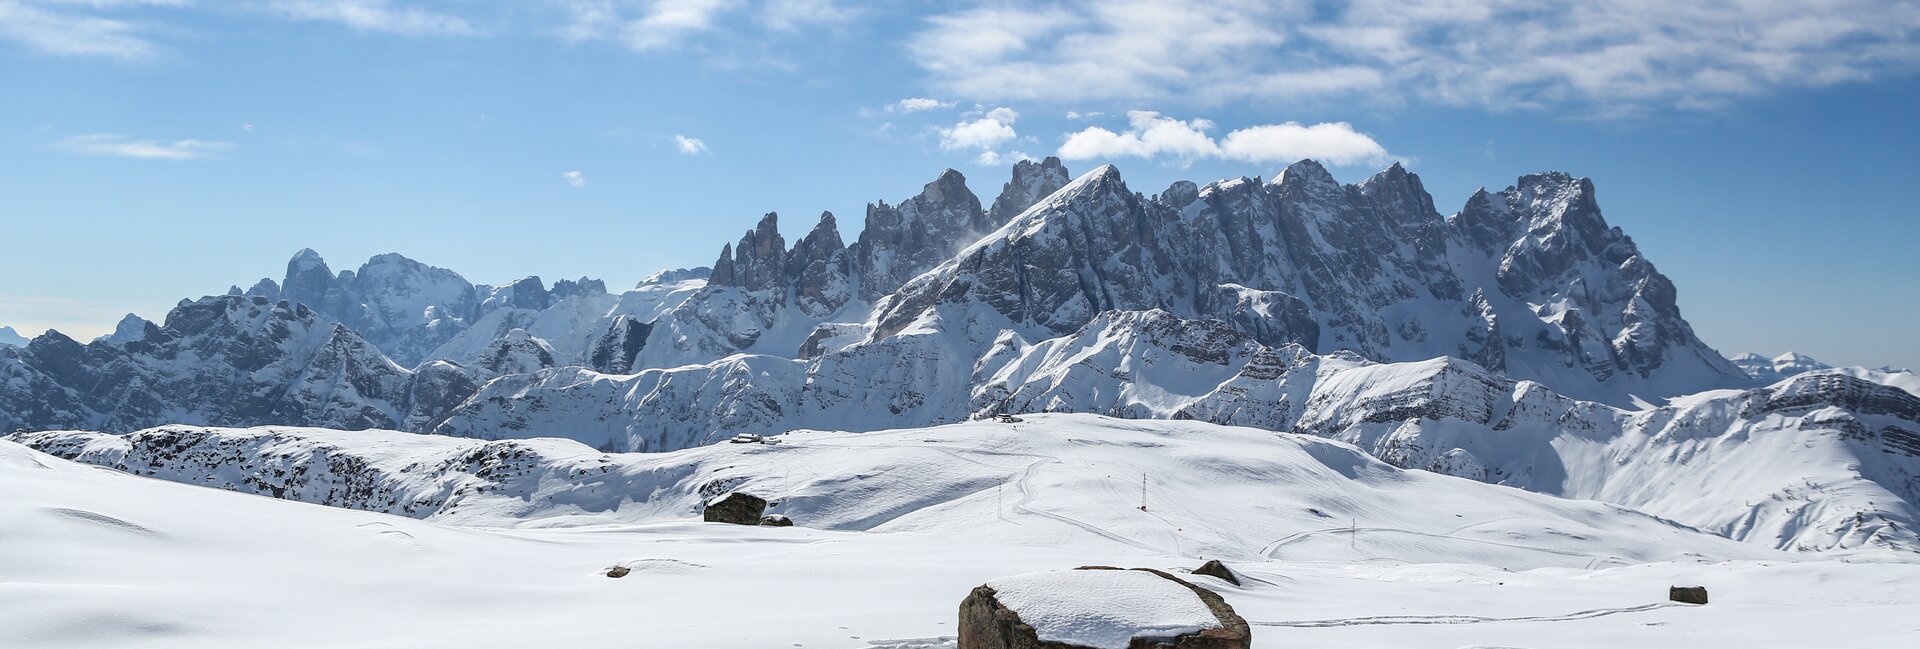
x=1031, y=182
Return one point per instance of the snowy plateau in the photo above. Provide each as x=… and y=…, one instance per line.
x=1398, y=428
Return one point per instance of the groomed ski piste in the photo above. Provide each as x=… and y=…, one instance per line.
x=508, y=544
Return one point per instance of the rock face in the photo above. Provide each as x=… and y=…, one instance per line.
x=736, y=508
x=1098, y=607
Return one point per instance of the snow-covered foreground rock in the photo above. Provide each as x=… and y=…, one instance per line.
x=97, y=558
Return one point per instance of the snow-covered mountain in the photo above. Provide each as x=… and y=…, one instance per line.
x=11, y=338
x=1530, y=282
x=1850, y=444
x=1778, y=367
x=226, y=359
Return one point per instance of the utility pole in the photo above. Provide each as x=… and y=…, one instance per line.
x=1143, y=492
x=1353, y=534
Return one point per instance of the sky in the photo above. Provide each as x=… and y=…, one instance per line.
x=1760, y=153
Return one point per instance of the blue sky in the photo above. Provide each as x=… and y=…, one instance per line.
x=1760, y=153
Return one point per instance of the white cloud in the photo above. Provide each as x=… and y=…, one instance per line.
x=109, y=144
x=690, y=145
x=65, y=33
x=917, y=104
x=374, y=16
x=1151, y=135
x=246, y=127
x=1609, y=57
x=574, y=179
x=1334, y=143
x=988, y=131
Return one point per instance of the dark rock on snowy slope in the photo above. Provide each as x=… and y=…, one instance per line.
x=736, y=508
x=229, y=360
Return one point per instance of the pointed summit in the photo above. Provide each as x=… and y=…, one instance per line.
x=902, y=241
x=1306, y=175
x=1031, y=182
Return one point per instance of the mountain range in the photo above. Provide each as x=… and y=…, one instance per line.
x=1520, y=340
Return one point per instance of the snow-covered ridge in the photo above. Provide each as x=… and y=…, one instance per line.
x=1052, y=479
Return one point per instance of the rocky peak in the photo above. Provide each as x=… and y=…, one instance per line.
x=524, y=293
x=583, y=287
x=1397, y=192
x=1031, y=182
x=819, y=246
x=723, y=274
x=1306, y=176
x=1180, y=194
x=308, y=279
x=758, y=262
x=9, y=337
x=265, y=288
x=130, y=328
x=901, y=242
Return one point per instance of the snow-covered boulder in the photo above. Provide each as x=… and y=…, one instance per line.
x=1098, y=607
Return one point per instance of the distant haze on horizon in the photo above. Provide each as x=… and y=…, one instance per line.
x=166, y=150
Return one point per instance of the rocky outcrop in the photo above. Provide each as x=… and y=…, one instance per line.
x=615, y=350
x=736, y=508
x=1217, y=570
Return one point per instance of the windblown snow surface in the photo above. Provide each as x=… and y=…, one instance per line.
x=454, y=542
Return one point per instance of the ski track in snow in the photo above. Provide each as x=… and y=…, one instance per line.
x=1467, y=619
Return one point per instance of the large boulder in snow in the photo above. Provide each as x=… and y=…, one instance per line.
x=1098, y=607
x=737, y=508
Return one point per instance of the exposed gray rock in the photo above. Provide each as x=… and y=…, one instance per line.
x=1688, y=594
x=1217, y=570
x=737, y=508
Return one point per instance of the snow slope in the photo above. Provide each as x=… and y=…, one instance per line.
x=1052, y=479
x=98, y=558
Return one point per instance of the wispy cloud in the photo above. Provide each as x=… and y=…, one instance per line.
x=1608, y=57
x=1151, y=135
x=110, y=144
x=690, y=145
x=374, y=16
x=54, y=29
x=654, y=25
x=574, y=179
